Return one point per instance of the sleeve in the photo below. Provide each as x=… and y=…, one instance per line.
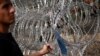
x=4, y=48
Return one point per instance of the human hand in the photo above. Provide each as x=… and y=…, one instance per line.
x=46, y=49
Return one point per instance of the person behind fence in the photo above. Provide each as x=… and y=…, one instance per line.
x=8, y=45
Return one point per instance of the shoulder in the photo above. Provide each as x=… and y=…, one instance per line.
x=4, y=42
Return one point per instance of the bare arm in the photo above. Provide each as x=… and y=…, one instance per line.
x=38, y=53
x=46, y=49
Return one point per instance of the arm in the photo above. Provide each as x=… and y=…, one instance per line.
x=46, y=49
x=38, y=53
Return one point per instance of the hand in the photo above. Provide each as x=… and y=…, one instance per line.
x=46, y=49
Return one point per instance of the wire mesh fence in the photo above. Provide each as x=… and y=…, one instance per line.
x=76, y=21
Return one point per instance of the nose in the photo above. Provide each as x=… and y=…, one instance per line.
x=12, y=10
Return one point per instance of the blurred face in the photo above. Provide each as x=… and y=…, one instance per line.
x=88, y=1
x=6, y=12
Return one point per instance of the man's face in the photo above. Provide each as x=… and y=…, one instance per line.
x=6, y=12
x=88, y=1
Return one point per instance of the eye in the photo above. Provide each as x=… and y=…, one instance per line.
x=7, y=5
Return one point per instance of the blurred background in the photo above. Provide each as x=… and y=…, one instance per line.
x=73, y=24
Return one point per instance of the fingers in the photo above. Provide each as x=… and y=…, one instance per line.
x=49, y=47
x=46, y=49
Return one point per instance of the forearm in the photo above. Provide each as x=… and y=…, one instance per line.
x=45, y=50
x=37, y=53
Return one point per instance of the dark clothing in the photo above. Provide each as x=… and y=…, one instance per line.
x=8, y=46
